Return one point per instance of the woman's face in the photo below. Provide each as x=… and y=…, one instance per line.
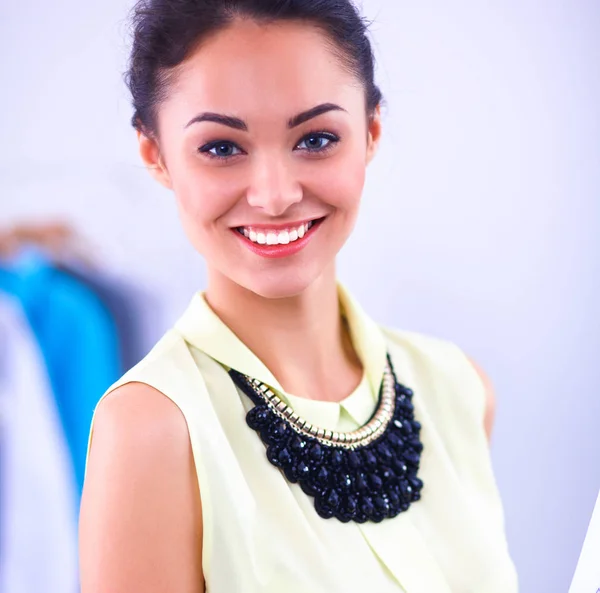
x=264, y=140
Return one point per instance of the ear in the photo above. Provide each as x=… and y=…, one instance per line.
x=152, y=158
x=374, y=133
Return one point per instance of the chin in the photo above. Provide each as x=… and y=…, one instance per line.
x=281, y=285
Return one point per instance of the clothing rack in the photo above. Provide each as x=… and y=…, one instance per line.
x=57, y=239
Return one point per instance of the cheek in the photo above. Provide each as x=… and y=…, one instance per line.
x=340, y=183
x=351, y=183
x=202, y=200
x=203, y=196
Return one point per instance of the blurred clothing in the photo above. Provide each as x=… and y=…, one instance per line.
x=125, y=303
x=38, y=497
x=77, y=337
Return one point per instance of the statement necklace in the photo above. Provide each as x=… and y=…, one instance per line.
x=368, y=474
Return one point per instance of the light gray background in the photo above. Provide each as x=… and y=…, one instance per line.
x=480, y=223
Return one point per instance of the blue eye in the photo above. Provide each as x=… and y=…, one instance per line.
x=220, y=150
x=317, y=142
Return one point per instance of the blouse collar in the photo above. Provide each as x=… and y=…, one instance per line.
x=201, y=327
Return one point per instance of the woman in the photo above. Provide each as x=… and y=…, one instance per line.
x=276, y=439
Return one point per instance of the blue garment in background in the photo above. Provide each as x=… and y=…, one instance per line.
x=78, y=340
x=126, y=304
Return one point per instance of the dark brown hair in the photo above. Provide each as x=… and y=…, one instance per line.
x=166, y=32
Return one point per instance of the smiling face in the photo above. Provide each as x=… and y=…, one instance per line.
x=264, y=139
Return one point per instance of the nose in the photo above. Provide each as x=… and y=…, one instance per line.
x=274, y=187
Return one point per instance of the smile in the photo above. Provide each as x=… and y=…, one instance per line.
x=266, y=236
x=278, y=242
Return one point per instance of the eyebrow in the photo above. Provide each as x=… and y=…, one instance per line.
x=239, y=124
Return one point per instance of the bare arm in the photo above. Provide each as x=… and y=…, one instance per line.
x=141, y=523
x=490, y=400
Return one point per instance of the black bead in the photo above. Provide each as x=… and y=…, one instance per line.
x=273, y=455
x=381, y=504
x=366, y=506
x=415, y=444
x=387, y=475
x=291, y=473
x=361, y=483
x=406, y=428
x=309, y=488
x=385, y=455
x=354, y=460
x=395, y=440
x=284, y=457
x=405, y=491
x=258, y=417
x=322, y=477
x=337, y=458
x=315, y=453
x=377, y=516
x=375, y=482
x=400, y=468
x=405, y=405
x=344, y=482
x=322, y=509
x=332, y=498
x=351, y=504
x=411, y=456
x=416, y=483
x=298, y=444
x=277, y=432
x=360, y=517
x=370, y=459
x=303, y=470
x=393, y=498
x=281, y=429
x=393, y=512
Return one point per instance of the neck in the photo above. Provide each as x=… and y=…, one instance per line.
x=306, y=328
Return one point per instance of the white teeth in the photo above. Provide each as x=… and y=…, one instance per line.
x=276, y=237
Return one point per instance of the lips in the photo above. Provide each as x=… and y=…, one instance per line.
x=282, y=241
x=275, y=236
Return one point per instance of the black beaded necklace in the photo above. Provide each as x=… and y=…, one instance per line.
x=365, y=475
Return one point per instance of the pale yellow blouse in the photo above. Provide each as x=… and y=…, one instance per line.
x=262, y=533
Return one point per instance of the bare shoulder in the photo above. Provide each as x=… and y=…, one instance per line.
x=490, y=398
x=140, y=520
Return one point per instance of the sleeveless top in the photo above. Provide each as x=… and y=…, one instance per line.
x=262, y=533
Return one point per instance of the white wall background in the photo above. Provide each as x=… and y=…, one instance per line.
x=481, y=216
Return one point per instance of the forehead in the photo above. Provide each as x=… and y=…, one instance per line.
x=255, y=69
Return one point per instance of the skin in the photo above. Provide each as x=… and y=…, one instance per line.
x=141, y=513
